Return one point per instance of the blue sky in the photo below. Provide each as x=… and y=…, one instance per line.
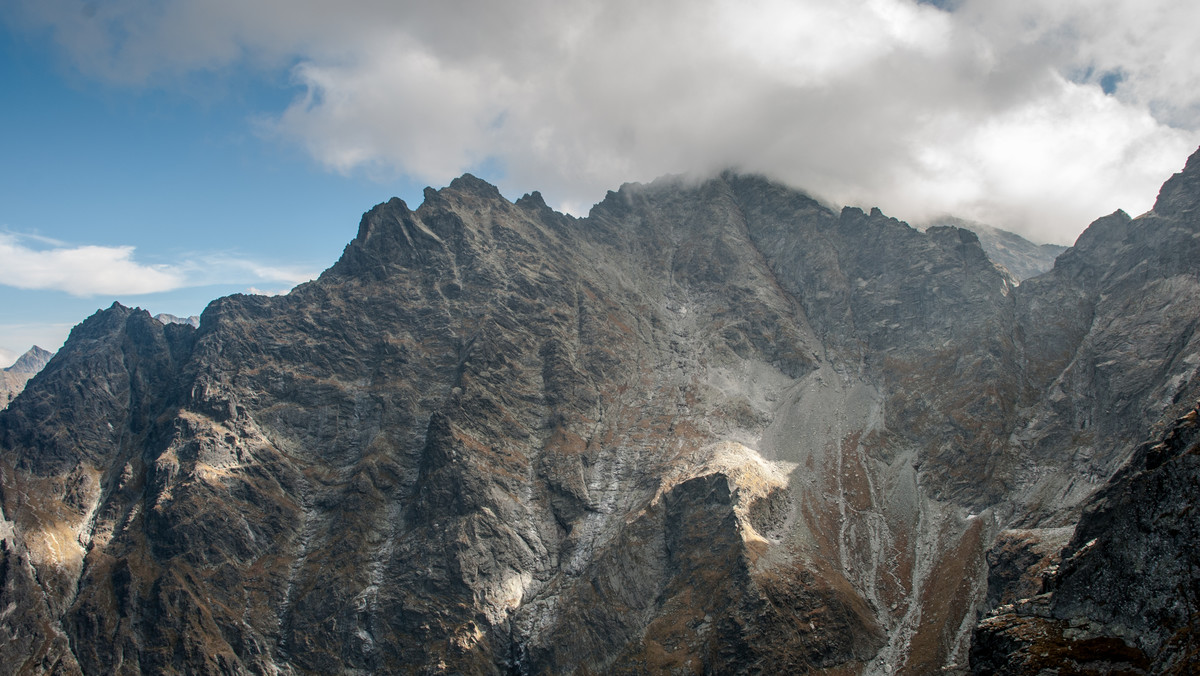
x=165, y=153
x=184, y=175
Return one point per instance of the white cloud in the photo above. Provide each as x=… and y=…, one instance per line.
x=1072, y=153
x=90, y=270
x=994, y=111
x=86, y=270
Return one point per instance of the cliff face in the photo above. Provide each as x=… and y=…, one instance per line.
x=1126, y=596
x=711, y=427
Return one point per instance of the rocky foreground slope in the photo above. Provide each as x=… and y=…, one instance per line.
x=1125, y=597
x=710, y=428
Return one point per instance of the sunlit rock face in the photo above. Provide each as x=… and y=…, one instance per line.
x=712, y=427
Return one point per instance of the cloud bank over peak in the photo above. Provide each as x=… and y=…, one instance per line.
x=1033, y=116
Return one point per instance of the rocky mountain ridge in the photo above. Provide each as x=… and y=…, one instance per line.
x=1020, y=257
x=712, y=427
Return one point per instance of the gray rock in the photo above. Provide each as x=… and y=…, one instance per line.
x=1125, y=594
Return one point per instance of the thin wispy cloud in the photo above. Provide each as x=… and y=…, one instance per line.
x=255, y=291
x=212, y=268
x=1030, y=115
x=91, y=270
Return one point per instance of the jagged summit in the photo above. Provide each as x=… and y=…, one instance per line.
x=468, y=183
x=714, y=426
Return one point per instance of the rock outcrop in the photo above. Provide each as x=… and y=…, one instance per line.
x=713, y=427
x=1126, y=597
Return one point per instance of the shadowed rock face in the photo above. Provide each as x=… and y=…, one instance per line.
x=711, y=427
x=1126, y=597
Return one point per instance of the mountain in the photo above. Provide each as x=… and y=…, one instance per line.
x=13, y=378
x=165, y=318
x=34, y=359
x=1020, y=257
x=712, y=427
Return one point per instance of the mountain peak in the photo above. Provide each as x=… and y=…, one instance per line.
x=31, y=362
x=471, y=184
x=533, y=200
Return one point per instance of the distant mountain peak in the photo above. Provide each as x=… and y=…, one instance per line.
x=31, y=362
x=165, y=318
x=13, y=378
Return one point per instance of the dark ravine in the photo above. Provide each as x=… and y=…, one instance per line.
x=713, y=427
